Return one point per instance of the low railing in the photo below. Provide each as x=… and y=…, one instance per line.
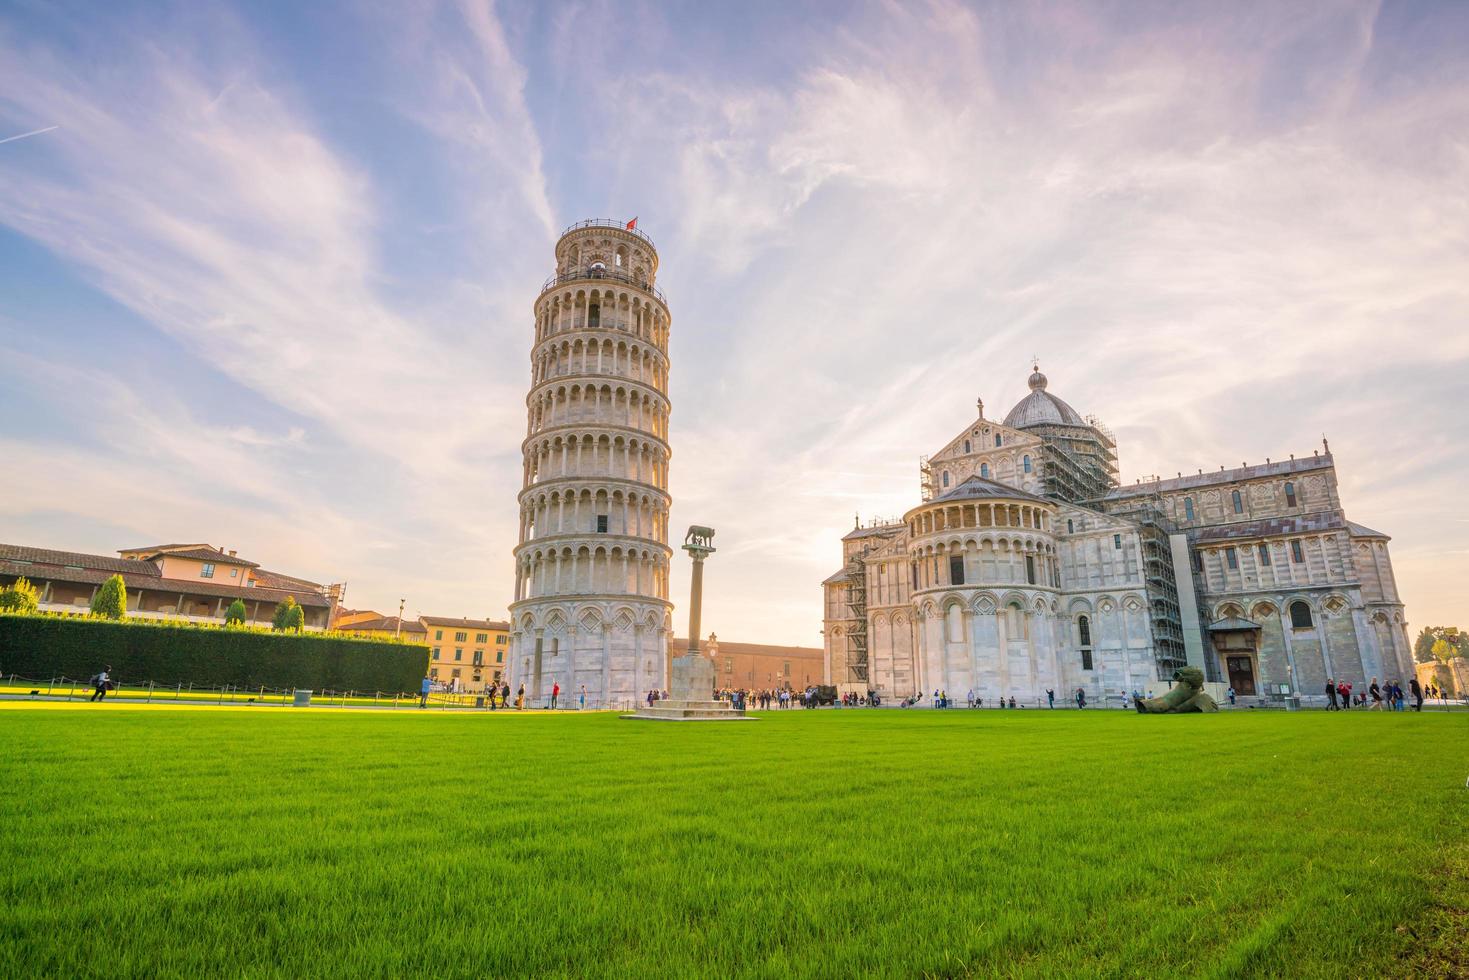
x=609, y=223
x=603, y=275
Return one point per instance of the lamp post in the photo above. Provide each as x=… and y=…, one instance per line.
x=398, y=627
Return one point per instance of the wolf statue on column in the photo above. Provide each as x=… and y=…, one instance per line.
x=1187, y=695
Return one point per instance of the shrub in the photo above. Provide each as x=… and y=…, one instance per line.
x=21, y=598
x=282, y=617
x=167, y=653
x=295, y=619
x=235, y=614
x=111, y=600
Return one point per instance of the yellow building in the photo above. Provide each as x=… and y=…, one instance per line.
x=466, y=654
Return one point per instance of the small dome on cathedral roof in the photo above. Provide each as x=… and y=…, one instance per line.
x=1040, y=407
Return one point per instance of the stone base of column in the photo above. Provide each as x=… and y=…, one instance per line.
x=692, y=689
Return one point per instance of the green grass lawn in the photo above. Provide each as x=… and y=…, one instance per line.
x=144, y=840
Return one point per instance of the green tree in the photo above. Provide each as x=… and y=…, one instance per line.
x=111, y=600
x=282, y=617
x=235, y=614
x=22, y=598
x=296, y=619
x=1423, y=647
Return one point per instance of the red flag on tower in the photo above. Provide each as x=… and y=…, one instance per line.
x=632, y=224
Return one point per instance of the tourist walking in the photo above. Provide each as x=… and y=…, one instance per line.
x=1376, y=694
x=581, y=704
x=101, y=684
x=505, y=695
x=1050, y=697
x=1331, y=704
x=1417, y=690
x=1230, y=692
x=555, y=693
x=423, y=689
x=520, y=698
x=1080, y=698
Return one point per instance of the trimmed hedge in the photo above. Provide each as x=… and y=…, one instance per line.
x=51, y=646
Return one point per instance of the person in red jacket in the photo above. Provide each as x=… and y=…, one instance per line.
x=555, y=692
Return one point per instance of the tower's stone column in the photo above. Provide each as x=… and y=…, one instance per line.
x=593, y=557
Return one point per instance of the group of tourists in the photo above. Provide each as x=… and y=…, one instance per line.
x=496, y=697
x=1390, y=695
x=742, y=698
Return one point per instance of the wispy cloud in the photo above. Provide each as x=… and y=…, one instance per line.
x=1224, y=232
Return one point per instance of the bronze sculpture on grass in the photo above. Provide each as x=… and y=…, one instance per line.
x=1187, y=695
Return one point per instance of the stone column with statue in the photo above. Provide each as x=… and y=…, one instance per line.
x=691, y=686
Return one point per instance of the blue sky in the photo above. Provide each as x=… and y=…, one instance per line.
x=269, y=284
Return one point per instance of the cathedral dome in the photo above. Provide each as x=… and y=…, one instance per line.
x=1040, y=407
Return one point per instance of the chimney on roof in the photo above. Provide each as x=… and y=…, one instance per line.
x=1267, y=459
x=232, y=552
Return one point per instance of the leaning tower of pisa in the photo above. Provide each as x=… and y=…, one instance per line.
x=591, y=602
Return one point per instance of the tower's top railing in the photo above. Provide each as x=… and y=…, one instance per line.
x=609, y=223
x=599, y=275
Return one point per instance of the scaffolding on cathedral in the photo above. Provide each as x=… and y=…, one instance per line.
x=857, y=632
x=1080, y=461
x=1154, y=527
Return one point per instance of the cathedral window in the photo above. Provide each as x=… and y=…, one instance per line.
x=1117, y=541
x=1084, y=630
x=1025, y=462
x=966, y=445
x=1070, y=527
x=946, y=477
x=1086, y=660
x=1300, y=616
x=1239, y=502
x=601, y=523
x=1231, y=557
x=956, y=570
x=1297, y=554
x=1188, y=508
x=1264, y=553
x=1030, y=569
x=984, y=470
x=594, y=315
x=1290, y=494
x=997, y=439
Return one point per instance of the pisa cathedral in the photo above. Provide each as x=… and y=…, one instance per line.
x=1027, y=567
x=591, y=604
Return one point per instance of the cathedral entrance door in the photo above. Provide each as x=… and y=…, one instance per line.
x=1241, y=672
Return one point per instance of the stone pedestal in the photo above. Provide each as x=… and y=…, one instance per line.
x=692, y=690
